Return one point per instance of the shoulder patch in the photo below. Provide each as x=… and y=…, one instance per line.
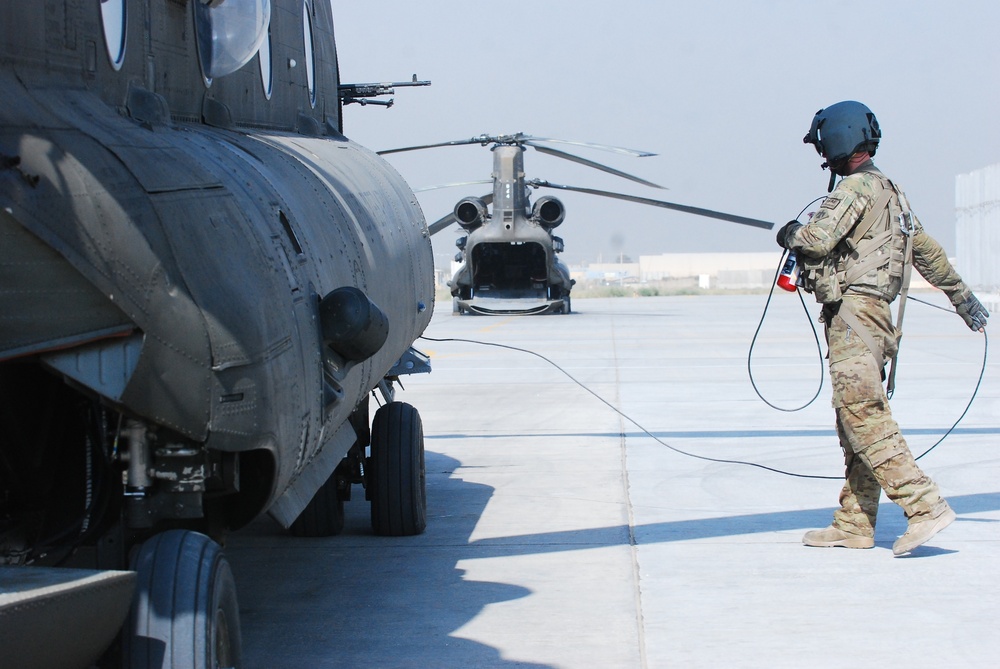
x=831, y=202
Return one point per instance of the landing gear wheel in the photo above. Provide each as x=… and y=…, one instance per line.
x=324, y=515
x=566, y=305
x=184, y=613
x=397, y=480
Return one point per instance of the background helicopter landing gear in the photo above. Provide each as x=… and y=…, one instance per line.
x=395, y=472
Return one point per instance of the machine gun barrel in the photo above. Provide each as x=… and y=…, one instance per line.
x=361, y=93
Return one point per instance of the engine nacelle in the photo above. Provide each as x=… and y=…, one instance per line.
x=548, y=212
x=471, y=212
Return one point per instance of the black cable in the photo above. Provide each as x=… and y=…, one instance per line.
x=627, y=417
x=979, y=382
x=92, y=518
x=819, y=347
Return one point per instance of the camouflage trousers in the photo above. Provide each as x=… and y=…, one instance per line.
x=875, y=453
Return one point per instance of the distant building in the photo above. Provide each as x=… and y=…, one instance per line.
x=977, y=228
x=726, y=271
x=609, y=273
x=713, y=270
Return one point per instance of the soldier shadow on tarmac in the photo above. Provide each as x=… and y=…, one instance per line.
x=362, y=600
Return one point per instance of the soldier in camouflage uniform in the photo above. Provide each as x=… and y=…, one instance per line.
x=855, y=254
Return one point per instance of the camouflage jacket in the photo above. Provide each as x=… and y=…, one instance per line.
x=826, y=248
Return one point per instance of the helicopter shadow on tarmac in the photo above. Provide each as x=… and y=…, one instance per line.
x=362, y=600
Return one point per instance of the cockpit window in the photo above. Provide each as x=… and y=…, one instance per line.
x=307, y=36
x=229, y=33
x=113, y=19
x=264, y=56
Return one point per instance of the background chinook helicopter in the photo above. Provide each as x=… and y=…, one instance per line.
x=203, y=282
x=508, y=256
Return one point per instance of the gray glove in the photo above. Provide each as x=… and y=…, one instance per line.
x=973, y=313
x=786, y=231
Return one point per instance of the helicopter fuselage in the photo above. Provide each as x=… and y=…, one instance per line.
x=508, y=258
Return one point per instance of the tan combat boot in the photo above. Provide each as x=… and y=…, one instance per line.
x=921, y=530
x=833, y=536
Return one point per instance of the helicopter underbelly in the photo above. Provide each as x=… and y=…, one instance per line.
x=519, y=306
x=503, y=277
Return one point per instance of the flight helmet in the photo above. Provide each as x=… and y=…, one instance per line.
x=841, y=130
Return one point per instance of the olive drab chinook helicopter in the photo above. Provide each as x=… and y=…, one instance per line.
x=202, y=283
x=507, y=257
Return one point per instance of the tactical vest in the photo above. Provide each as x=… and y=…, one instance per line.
x=870, y=259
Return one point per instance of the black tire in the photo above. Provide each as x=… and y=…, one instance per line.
x=324, y=515
x=396, y=475
x=567, y=305
x=184, y=613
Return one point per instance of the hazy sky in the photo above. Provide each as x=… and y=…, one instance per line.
x=722, y=90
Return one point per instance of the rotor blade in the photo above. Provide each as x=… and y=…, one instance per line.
x=440, y=224
x=603, y=147
x=457, y=142
x=698, y=211
x=445, y=221
x=482, y=139
x=591, y=163
x=452, y=185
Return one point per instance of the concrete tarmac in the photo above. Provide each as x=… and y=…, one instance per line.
x=587, y=510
